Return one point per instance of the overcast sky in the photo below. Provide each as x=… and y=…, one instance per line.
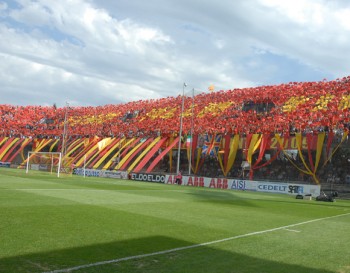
x=97, y=52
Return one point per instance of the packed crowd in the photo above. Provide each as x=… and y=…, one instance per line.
x=308, y=107
x=303, y=107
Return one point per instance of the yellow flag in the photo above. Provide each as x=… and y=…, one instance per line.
x=102, y=144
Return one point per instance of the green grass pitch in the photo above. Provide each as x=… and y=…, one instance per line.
x=76, y=224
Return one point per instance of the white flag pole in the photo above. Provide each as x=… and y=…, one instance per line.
x=84, y=164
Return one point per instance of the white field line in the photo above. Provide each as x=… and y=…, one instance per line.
x=292, y=230
x=191, y=246
x=97, y=190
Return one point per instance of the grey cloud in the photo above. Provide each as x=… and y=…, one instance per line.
x=105, y=52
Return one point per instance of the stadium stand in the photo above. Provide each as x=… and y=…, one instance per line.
x=278, y=129
x=293, y=107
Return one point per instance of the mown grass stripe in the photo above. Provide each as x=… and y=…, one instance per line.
x=192, y=246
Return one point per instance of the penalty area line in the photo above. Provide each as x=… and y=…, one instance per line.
x=66, y=270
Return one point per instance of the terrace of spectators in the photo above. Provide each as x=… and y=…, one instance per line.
x=284, y=108
x=308, y=107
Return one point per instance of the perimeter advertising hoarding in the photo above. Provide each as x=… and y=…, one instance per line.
x=34, y=167
x=101, y=173
x=5, y=164
x=248, y=185
x=146, y=177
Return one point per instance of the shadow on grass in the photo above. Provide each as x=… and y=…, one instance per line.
x=183, y=257
x=220, y=197
x=234, y=197
x=292, y=200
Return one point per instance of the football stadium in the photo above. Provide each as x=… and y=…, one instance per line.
x=244, y=180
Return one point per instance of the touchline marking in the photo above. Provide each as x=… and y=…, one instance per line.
x=56, y=189
x=292, y=230
x=191, y=246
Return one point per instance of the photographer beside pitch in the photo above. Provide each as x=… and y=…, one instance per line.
x=178, y=178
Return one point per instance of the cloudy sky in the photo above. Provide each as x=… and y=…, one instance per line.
x=97, y=52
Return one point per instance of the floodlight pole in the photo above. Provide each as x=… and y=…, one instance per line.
x=64, y=139
x=180, y=133
x=191, y=139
